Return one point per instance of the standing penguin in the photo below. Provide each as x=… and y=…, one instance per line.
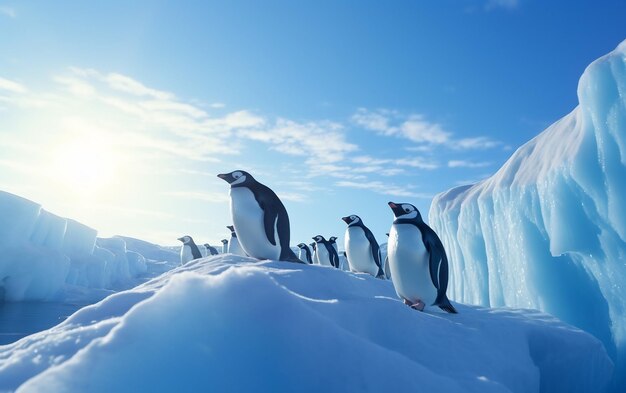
x=314, y=254
x=333, y=241
x=387, y=271
x=259, y=217
x=189, y=251
x=418, y=261
x=233, y=244
x=362, y=248
x=305, y=253
x=224, y=246
x=325, y=254
x=210, y=249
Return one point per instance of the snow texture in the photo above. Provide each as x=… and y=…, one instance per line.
x=42, y=255
x=229, y=323
x=548, y=230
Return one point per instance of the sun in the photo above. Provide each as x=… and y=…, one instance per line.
x=84, y=165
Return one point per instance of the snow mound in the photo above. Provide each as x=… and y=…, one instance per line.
x=548, y=230
x=230, y=323
x=41, y=254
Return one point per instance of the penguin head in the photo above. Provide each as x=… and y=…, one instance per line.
x=312, y=244
x=185, y=239
x=318, y=238
x=302, y=245
x=237, y=178
x=206, y=245
x=231, y=228
x=405, y=211
x=351, y=220
x=333, y=239
x=224, y=241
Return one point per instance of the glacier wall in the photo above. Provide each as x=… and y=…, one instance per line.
x=41, y=252
x=548, y=230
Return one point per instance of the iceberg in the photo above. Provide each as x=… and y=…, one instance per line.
x=548, y=230
x=231, y=323
x=41, y=254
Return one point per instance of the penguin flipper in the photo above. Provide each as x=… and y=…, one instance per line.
x=269, y=222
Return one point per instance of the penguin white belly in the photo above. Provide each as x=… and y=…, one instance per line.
x=409, y=264
x=359, y=252
x=234, y=247
x=248, y=221
x=323, y=258
x=185, y=254
x=302, y=256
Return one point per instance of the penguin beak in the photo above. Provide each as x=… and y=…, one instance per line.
x=180, y=238
x=224, y=176
x=346, y=220
x=396, y=208
x=391, y=204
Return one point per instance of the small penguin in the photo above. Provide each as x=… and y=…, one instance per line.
x=314, y=252
x=189, y=251
x=362, y=248
x=210, y=249
x=305, y=253
x=259, y=217
x=224, y=246
x=325, y=253
x=417, y=259
x=387, y=271
x=233, y=244
x=333, y=241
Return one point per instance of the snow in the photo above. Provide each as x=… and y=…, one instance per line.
x=548, y=230
x=45, y=257
x=230, y=323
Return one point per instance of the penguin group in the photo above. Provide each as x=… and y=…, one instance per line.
x=416, y=261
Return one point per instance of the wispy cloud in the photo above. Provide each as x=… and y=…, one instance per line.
x=11, y=86
x=467, y=164
x=384, y=189
x=418, y=129
x=8, y=11
x=321, y=142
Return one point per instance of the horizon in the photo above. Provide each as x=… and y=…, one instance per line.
x=120, y=116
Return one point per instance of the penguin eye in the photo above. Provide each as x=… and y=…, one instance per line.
x=237, y=175
x=353, y=218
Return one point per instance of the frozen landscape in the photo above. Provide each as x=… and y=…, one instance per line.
x=548, y=230
x=536, y=250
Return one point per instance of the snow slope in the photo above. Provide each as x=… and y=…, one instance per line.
x=44, y=256
x=548, y=230
x=230, y=323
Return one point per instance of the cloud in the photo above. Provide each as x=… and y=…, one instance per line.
x=321, y=142
x=467, y=164
x=384, y=189
x=11, y=86
x=8, y=11
x=416, y=128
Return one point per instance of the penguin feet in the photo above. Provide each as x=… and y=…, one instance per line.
x=419, y=305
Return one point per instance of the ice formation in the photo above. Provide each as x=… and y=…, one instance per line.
x=231, y=323
x=548, y=230
x=41, y=253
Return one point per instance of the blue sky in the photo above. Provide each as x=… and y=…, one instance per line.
x=120, y=115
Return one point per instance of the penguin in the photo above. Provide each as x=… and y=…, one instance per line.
x=233, y=244
x=189, y=251
x=387, y=271
x=224, y=246
x=362, y=248
x=305, y=253
x=333, y=241
x=259, y=217
x=210, y=249
x=417, y=260
x=325, y=254
x=314, y=253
